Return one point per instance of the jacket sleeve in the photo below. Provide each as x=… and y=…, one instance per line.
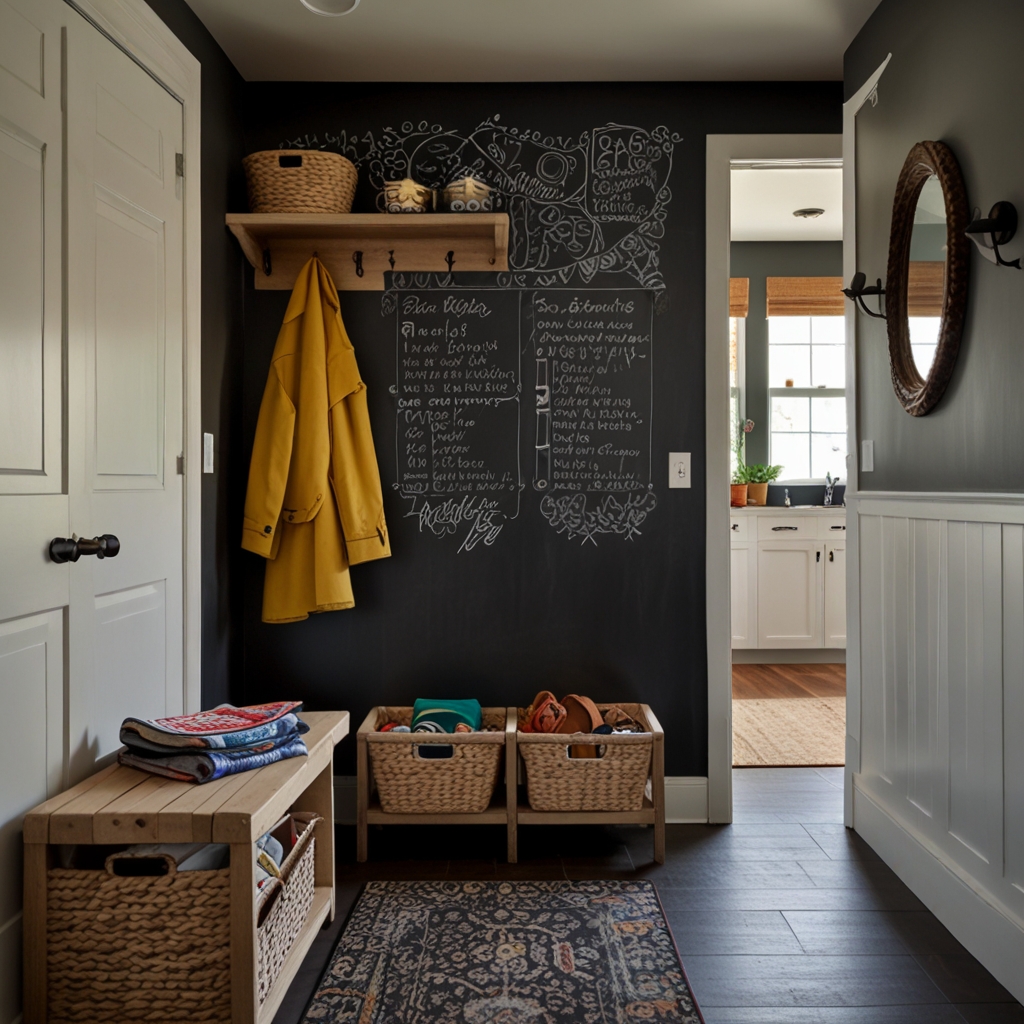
x=268, y=470
x=356, y=478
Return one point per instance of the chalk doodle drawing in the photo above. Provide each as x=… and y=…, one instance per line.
x=570, y=514
x=577, y=206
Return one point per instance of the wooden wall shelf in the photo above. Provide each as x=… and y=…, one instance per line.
x=278, y=244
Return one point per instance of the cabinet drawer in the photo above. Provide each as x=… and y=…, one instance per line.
x=787, y=527
x=832, y=528
x=739, y=527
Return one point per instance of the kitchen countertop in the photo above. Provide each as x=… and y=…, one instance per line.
x=781, y=510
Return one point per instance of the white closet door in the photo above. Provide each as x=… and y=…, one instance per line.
x=33, y=505
x=125, y=217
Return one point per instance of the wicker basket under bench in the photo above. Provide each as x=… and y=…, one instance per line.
x=624, y=787
x=218, y=958
x=398, y=787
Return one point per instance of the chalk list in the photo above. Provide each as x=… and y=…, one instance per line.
x=463, y=439
x=458, y=406
x=592, y=353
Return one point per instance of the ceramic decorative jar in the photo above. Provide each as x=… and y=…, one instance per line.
x=467, y=195
x=405, y=196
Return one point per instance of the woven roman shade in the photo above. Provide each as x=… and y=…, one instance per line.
x=739, y=296
x=925, y=285
x=805, y=296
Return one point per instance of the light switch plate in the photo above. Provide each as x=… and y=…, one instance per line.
x=679, y=469
x=207, y=453
x=867, y=456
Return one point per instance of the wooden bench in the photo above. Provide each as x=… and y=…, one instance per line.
x=122, y=805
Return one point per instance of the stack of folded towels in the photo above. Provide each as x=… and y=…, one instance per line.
x=211, y=744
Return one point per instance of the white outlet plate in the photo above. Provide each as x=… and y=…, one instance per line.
x=679, y=469
x=207, y=453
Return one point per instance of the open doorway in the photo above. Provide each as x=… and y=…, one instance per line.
x=787, y=399
x=775, y=395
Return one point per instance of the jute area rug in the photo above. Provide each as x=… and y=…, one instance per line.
x=505, y=953
x=798, y=731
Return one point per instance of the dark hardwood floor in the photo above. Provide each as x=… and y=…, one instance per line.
x=784, y=917
x=751, y=682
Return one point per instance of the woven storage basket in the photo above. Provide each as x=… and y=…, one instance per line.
x=299, y=181
x=461, y=784
x=130, y=950
x=615, y=781
x=286, y=906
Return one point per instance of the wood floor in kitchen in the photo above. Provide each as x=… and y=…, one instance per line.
x=784, y=917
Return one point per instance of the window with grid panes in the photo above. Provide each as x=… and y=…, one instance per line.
x=808, y=418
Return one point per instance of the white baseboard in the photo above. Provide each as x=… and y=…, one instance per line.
x=789, y=656
x=974, y=917
x=686, y=799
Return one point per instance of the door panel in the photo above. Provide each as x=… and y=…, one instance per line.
x=22, y=47
x=835, y=595
x=129, y=364
x=744, y=595
x=125, y=346
x=789, y=585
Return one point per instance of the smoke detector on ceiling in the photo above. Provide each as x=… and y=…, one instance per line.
x=330, y=8
x=808, y=212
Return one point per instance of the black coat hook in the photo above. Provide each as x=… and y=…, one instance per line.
x=357, y=259
x=857, y=291
x=267, y=268
x=391, y=258
x=450, y=259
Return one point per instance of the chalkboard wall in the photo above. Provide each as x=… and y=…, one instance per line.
x=534, y=562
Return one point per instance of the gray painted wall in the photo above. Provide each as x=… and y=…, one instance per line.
x=758, y=261
x=944, y=83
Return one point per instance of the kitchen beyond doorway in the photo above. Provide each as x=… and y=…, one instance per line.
x=789, y=715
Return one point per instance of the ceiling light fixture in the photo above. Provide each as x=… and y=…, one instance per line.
x=809, y=212
x=330, y=8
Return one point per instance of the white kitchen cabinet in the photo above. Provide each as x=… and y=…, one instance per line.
x=789, y=593
x=835, y=594
x=744, y=594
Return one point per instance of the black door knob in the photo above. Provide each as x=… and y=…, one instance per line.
x=71, y=549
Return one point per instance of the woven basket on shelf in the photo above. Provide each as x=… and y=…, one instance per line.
x=461, y=784
x=615, y=781
x=287, y=904
x=299, y=181
x=131, y=950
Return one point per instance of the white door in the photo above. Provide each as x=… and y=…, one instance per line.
x=789, y=586
x=835, y=595
x=125, y=393
x=90, y=415
x=744, y=594
x=34, y=593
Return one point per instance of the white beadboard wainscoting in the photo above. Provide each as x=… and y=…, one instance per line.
x=940, y=788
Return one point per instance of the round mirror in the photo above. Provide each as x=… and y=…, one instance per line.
x=926, y=286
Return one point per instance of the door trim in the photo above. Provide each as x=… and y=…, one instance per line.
x=721, y=149
x=134, y=27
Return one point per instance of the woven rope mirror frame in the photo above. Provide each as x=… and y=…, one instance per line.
x=919, y=396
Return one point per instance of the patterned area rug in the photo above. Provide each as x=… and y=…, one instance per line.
x=798, y=731
x=505, y=953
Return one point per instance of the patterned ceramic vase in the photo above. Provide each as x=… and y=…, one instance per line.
x=405, y=196
x=467, y=195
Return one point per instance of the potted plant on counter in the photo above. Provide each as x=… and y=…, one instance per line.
x=758, y=478
x=738, y=488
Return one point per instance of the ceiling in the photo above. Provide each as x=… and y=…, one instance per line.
x=763, y=202
x=538, y=40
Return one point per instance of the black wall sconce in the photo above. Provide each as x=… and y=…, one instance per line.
x=998, y=228
x=859, y=289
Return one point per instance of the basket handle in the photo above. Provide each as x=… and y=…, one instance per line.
x=151, y=865
x=289, y=160
x=445, y=751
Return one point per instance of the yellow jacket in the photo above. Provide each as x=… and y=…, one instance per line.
x=313, y=506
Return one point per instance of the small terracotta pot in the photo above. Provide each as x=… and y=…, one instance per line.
x=738, y=495
x=757, y=494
